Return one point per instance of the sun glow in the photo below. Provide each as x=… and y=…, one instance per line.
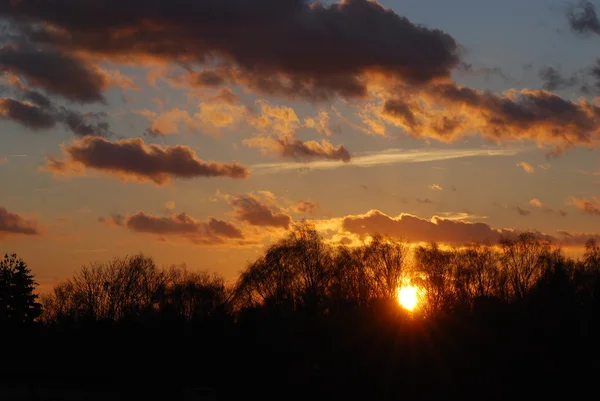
x=408, y=297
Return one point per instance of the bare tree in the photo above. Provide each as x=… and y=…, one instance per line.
x=523, y=260
x=386, y=260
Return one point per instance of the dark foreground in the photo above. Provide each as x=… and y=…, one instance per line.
x=392, y=357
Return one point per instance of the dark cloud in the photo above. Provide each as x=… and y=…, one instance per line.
x=224, y=228
x=132, y=159
x=583, y=18
x=181, y=225
x=594, y=74
x=554, y=80
x=38, y=99
x=251, y=210
x=55, y=72
x=425, y=201
x=294, y=46
x=27, y=114
x=523, y=212
x=86, y=124
x=13, y=223
x=37, y=112
x=400, y=111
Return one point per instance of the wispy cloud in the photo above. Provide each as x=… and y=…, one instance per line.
x=386, y=157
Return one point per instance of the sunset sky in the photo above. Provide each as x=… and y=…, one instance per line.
x=199, y=131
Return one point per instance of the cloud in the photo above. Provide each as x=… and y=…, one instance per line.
x=554, y=80
x=293, y=148
x=523, y=212
x=587, y=206
x=132, y=159
x=536, y=203
x=37, y=112
x=55, y=72
x=268, y=45
x=415, y=229
x=278, y=125
x=169, y=122
x=115, y=219
x=388, y=157
x=447, y=112
x=225, y=95
x=216, y=112
x=170, y=205
x=304, y=206
x=13, y=224
x=435, y=187
x=258, y=212
x=27, y=114
x=425, y=201
x=582, y=18
x=212, y=232
x=486, y=72
x=575, y=239
x=320, y=123
x=437, y=229
x=528, y=168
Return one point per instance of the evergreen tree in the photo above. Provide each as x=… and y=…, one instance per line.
x=18, y=302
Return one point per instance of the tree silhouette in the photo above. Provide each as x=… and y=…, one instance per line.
x=18, y=302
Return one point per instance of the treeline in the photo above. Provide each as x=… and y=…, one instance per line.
x=310, y=320
x=302, y=274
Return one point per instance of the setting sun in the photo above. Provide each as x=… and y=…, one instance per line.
x=408, y=297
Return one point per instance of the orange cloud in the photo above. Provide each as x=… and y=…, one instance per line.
x=528, y=168
x=319, y=123
x=132, y=159
x=536, y=203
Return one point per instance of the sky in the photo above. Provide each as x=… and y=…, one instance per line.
x=200, y=131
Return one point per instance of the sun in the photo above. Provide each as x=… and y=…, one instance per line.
x=408, y=297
